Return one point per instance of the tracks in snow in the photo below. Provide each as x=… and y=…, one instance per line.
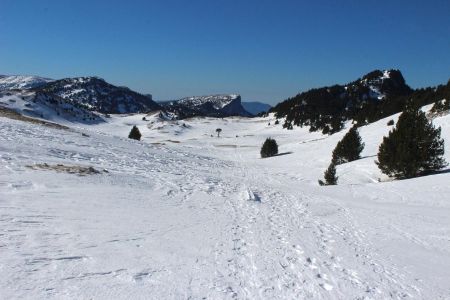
x=281, y=249
x=285, y=245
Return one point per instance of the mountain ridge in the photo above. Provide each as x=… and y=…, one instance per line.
x=98, y=95
x=375, y=95
x=218, y=105
x=93, y=93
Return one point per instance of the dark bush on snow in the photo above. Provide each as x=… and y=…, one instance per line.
x=269, y=148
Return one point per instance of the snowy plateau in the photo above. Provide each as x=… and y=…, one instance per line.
x=86, y=213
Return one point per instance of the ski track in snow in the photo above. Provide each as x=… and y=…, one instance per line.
x=172, y=222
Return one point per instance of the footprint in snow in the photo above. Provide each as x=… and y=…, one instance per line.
x=326, y=286
x=249, y=195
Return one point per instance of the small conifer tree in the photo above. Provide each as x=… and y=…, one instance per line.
x=135, y=134
x=349, y=148
x=412, y=148
x=330, y=176
x=269, y=148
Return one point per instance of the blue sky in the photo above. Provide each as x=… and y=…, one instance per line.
x=264, y=50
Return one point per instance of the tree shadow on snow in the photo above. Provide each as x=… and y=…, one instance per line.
x=437, y=172
x=428, y=173
x=368, y=156
x=279, y=154
x=284, y=153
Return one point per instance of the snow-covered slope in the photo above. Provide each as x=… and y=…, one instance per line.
x=51, y=108
x=185, y=214
x=211, y=106
x=9, y=82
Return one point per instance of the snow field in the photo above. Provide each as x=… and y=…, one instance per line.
x=182, y=214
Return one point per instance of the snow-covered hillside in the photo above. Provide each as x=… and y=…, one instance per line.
x=185, y=214
x=99, y=95
x=42, y=106
x=89, y=93
x=9, y=82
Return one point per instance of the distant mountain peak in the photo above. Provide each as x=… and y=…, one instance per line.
x=383, y=83
x=255, y=107
x=381, y=75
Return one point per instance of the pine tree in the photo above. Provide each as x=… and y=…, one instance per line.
x=336, y=125
x=326, y=129
x=269, y=148
x=330, y=175
x=349, y=148
x=135, y=134
x=412, y=148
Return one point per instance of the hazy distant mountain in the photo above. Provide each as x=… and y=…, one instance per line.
x=208, y=106
x=256, y=107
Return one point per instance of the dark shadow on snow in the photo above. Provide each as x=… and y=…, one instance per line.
x=284, y=153
x=444, y=171
x=367, y=156
x=279, y=154
x=426, y=173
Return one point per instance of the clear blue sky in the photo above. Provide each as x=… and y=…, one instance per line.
x=264, y=50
